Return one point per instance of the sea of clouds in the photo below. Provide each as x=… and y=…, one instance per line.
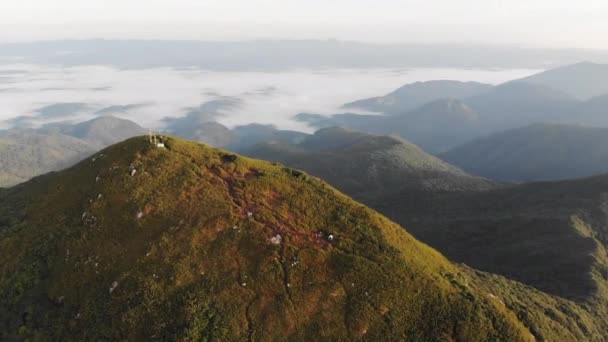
x=32, y=95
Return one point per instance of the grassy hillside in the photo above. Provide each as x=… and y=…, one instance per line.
x=551, y=236
x=537, y=152
x=200, y=244
x=548, y=235
x=516, y=228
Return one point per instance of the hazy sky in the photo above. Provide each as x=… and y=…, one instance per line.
x=552, y=23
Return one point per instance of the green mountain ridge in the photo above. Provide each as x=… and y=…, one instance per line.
x=188, y=243
x=368, y=167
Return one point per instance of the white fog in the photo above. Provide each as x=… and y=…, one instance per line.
x=149, y=95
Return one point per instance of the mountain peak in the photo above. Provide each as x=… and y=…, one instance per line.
x=190, y=242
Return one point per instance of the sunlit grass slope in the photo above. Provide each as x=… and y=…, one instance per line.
x=176, y=243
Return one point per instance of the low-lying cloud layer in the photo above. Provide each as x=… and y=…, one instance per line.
x=33, y=95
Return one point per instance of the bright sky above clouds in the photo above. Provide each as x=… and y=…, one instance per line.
x=544, y=23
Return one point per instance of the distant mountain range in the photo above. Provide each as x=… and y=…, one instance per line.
x=25, y=153
x=583, y=80
x=536, y=152
x=286, y=54
x=446, y=123
x=200, y=124
x=414, y=95
x=519, y=103
x=452, y=118
x=467, y=132
x=592, y=113
x=188, y=242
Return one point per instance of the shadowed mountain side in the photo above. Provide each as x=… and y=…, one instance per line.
x=440, y=115
x=537, y=152
x=517, y=104
x=549, y=235
x=435, y=127
x=582, y=80
x=368, y=166
x=444, y=124
x=592, y=113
